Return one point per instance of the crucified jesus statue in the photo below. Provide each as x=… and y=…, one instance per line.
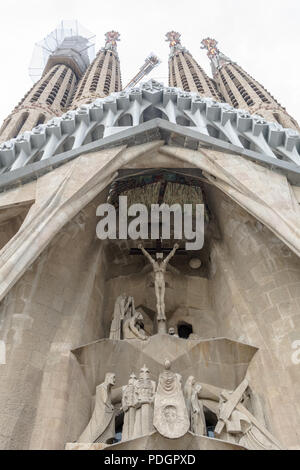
x=159, y=269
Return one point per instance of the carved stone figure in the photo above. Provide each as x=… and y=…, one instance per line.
x=170, y=412
x=188, y=390
x=132, y=327
x=123, y=306
x=198, y=425
x=129, y=402
x=236, y=424
x=172, y=332
x=101, y=427
x=159, y=269
x=144, y=394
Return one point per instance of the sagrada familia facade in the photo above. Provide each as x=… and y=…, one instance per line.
x=141, y=344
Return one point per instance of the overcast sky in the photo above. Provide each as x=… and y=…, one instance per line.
x=261, y=35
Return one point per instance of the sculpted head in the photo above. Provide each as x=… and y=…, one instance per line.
x=139, y=317
x=132, y=379
x=170, y=414
x=167, y=364
x=144, y=373
x=190, y=381
x=159, y=257
x=110, y=379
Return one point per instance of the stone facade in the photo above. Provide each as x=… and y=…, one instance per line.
x=59, y=294
x=94, y=351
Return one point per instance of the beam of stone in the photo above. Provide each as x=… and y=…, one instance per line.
x=126, y=109
x=155, y=129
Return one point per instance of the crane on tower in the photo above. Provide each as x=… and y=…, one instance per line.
x=150, y=63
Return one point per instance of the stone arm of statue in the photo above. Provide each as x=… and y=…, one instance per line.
x=145, y=252
x=171, y=254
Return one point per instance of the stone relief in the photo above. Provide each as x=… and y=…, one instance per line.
x=127, y=322
x=236, y=424
x=144, y=393
x=133, y=327
x=170, y=413
x=159, y=269
x=101, y=427
x=173, y=411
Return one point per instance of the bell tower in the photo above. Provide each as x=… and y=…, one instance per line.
x=243, y=91
x=185, y=72
x=59, y=61
x=103, y=76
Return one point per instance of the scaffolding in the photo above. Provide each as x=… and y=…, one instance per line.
x=69, y=43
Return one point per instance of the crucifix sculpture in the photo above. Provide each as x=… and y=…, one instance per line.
x=159, y=268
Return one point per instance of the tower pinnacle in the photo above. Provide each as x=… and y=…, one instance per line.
x=214, y=54
x=111, y=38
x=211, y=46
x=173, y=38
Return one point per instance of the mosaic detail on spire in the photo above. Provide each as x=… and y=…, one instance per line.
x=211, y=46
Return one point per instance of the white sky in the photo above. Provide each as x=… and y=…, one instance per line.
x=261, y=35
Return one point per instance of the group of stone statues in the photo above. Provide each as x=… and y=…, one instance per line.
x=137, y=405
x=127, y=323
x=173, y=411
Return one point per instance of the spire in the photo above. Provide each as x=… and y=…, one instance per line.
x=243, y=91
x=185, y=72
x=58, y=61
x=103, y=76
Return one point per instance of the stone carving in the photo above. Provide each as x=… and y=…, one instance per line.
x=129, y=402
x=172, y=332
x=159, y=269
x=170, y=412
x=188, y=390
x=101, y=427
x=132, y=327
x=236, y=424
x=194, y=406
x=154, y=94
x=126, y=322
x=173, y=412
x=198, y=425
x=144, y=394
x=123, y=307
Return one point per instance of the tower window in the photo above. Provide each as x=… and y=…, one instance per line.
x=41, y=119
x=20, y=124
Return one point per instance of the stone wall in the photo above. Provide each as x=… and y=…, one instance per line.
x=255, y=291
x=54, y=307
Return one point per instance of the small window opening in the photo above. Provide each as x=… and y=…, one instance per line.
x=184, y=330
